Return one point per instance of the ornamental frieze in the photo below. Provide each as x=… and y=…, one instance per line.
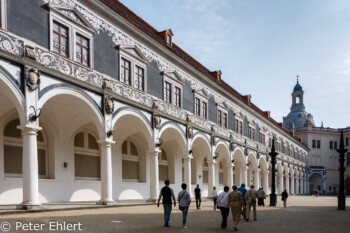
x=11, y=44
x=205, y=124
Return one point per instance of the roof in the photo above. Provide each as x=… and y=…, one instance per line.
x=142, y=25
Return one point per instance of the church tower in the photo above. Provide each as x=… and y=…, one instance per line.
x=298, y=117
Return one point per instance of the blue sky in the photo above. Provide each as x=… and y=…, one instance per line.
x=261, y=46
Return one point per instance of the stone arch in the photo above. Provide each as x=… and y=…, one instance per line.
x=201, y=150
x=223, y=163
x=13, y=93
x=239, y=166
x=96, y=115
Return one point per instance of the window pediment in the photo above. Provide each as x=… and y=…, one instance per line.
x=174, y=75
x=134, y=52
x=71, y=13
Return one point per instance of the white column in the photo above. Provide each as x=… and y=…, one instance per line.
x=187, y=172
x=154, y=174
x=297, y=186
x=30, y=176
x=229, y=176
x=106, y=173
x=280, y=188
x=292, y=184
x=211, y=177
x=302, y=185
x=256, y=179
x=287, y=183
x=266, y=182
x=244, y=175
x=249, y=177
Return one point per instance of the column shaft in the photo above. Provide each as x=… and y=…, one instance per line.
x=154, y=174
x=106, y=173
x=211, y=178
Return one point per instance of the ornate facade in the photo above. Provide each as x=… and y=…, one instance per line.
x=98, y=105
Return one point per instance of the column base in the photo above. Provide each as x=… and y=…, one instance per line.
x=152, y=200
x=105, y=202
x=29, y=206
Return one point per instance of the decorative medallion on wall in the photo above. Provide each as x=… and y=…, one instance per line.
x=109, y=104
x=32, y=78
x=213, y=140
x=190, y=132
x=157, y=121
x=232, y=146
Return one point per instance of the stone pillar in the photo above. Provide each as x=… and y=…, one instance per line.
x=187, y=172
x=287, y=183
x=106, y=173
x=229, y=175
x=292, y=184
x=297, y=186
x=280, y=188
x=30, y=177
x=154, y=174
x=256, y=179
x=266, y=181
x=211, y=177
x=244, y=175
x=302, y=185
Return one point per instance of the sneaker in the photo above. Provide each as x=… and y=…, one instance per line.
x=185, y=227
x=236, y=229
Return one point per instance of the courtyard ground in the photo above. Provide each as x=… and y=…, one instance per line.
x=303, y=214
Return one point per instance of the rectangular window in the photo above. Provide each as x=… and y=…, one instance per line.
x=331, y=145
x=139, y=78
x=348, y=160
x=224, y=120
x=249, y=132
x=313, y=143
x=346, y=141
x=236, y=126
x=335, y=145
x=167, y=92
x=241, y=128
x=125, y=74
x=177, y=96
x=205, y=110
x=318, y=144
x=82, y=50
x=219, y=117
x=270, y=142
x=60, y=39
x=197, y=107
x=253, y=134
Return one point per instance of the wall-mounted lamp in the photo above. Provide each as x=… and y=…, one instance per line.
x=65, y=164
x=35, y=116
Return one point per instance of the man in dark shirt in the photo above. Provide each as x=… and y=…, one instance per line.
x=198, y=196
x=167, y=193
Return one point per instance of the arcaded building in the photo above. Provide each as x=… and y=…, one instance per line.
x=97, y=105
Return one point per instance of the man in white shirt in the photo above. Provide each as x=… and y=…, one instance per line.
x=250, y=197
x=224, y=206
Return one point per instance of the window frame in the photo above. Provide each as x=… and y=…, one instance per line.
x=173, y=83
x=131, y=158
x=81, y=44
x=73, y=29
x=203, y=101
x=220, y=121
x=135, y=62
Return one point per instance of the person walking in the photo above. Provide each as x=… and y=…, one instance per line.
x=224, y=206
x=243, y=190
x=167, y=193
x=184, y=199
x=215, y=197
x=261, y=197
x=235, y=199
x=284, y=198
x=250, y=198
x=198, y=197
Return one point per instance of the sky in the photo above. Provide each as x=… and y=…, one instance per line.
x=262, y=45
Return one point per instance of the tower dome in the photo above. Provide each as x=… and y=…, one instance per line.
x=298, y=117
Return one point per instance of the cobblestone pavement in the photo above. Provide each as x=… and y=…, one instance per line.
x=303, y=214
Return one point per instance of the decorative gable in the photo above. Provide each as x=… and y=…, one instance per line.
x=71, y=13
x=173, y=75
x=133, y=51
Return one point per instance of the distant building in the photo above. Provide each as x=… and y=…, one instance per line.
x=322, y=142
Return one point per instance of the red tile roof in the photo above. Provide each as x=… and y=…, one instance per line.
x=138, y=22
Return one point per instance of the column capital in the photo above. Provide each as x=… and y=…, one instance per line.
x=106, y=142
x=211, y=162
x=187, y=157
x=31, y=129
x=154, y=152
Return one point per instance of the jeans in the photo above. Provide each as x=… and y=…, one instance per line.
x=198, y=203
x=215, y=204
x=184, y=214
x=167, y=213
x=224, y=213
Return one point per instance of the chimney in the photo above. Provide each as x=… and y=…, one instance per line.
x=217, y=74
x=267, y=114
x=247, y=98
x=167, y=35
